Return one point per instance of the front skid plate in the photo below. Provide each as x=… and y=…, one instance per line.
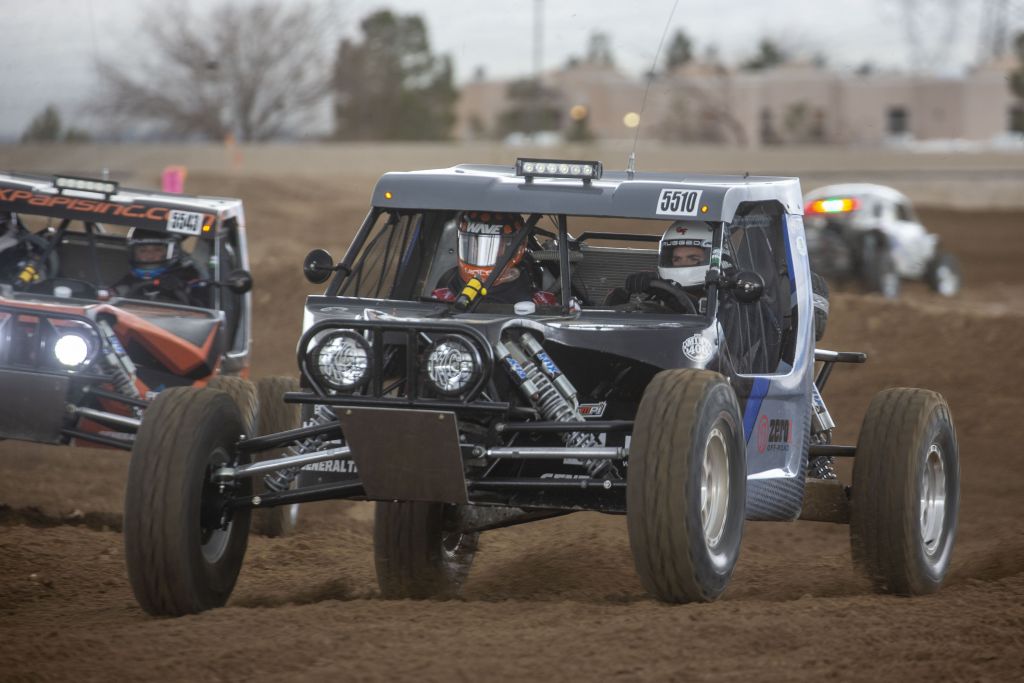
x=406, y=454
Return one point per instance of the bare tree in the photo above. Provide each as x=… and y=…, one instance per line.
x=931, y=29
x=250, y=70
x=701, y=112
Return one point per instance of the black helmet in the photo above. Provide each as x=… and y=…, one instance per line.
x=152, y=253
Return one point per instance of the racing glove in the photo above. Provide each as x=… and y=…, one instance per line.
x=637, y=283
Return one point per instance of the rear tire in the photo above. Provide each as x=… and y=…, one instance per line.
x=943, y=274
x=878, y=269
x=686, y=492
x=275, y=416
x=416, y=555
x=820, y=295
x=179, y=558
x=906, y=492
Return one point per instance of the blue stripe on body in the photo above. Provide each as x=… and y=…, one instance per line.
x=753, y=407
x=789, y=256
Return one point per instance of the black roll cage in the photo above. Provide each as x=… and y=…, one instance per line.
x=565, y=241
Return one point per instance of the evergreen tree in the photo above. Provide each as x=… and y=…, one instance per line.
x=1017, y=86
x=45, y=127
x=769, y=55
x=390, y=86
x=532, y=107
x=680, y=51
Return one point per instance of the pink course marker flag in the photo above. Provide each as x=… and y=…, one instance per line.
x=173, y=179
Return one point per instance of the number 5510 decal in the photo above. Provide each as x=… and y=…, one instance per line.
x=679, y=202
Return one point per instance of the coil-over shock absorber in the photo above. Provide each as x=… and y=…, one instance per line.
x=119, y=365
x=548, y=390
x=280, y=480
x=822, y=466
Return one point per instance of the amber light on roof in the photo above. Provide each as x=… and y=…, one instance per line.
x=833, y=205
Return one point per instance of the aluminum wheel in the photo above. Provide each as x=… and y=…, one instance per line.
x=933, y=500
x=714, y=487
x=292, y=512
x=451, y=543
x=947, y=281
x=890, y=285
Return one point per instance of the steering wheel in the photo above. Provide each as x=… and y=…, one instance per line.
x=165, y=288
x=80, y=289
x=672, y=296
x=142, y=289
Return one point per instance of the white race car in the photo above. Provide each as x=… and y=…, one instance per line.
x=871, y=233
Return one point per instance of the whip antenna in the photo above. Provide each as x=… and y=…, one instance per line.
x=95, y=59
x=631, y=162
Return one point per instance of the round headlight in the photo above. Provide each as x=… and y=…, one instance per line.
x=342, y=360
x=71, y=350
x=452, y=365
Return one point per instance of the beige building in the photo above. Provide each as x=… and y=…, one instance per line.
x=795, y=104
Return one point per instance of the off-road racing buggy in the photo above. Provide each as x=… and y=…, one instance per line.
x=84, y=345
x=688, y=410
x=870, y=234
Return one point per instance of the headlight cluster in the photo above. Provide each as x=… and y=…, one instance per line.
x=342, y=360
x=453, y=365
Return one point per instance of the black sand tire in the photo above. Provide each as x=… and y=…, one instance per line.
x=944, y=275
x=820, y=298
x=906, y=492
x=275, y=416
x=243, y=393
x=686, y=489
x=878, y=269
x=179, y=560
x=415, y=555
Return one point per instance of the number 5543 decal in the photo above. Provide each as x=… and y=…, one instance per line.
x=679, y=202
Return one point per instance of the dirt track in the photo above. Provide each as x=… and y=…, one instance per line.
x=555, y=599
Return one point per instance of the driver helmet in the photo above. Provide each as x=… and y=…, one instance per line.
x=152, y=253
x=685, y=253
x=484, y=239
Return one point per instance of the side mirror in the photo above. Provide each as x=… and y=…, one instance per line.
x=749, y=286
x=239, y=281
x=318, y=266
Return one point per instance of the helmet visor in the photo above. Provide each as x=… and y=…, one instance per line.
x=483, y=250
x=152, y=252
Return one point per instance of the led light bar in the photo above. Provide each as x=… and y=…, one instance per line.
x=559, y=168
x=107, y=187
x=834, y=205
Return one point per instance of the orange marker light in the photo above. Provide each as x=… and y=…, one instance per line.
x=387, y=195
x=206, y=228
x=704, y=209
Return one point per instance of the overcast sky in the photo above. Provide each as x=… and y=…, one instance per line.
x=50, y=46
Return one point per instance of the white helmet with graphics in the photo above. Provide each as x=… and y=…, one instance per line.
x=685, y=253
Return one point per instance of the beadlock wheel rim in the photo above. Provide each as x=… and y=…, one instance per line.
x=932, y=507
x=714, y=488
